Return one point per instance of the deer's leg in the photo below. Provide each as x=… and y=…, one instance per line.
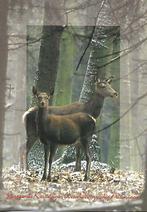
x=53, y=148
x=31, y=133
x=28, y=145
x=22, y=152
x=88, y=159
x=46, y=155
x=78, y=157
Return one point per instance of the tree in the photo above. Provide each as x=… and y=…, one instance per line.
x=131, y=79
x=48, y=59
x=102, y=40
x=144, y=206
x=63, y=89
x=3, y=62
x=130, y=15
x=50, y=46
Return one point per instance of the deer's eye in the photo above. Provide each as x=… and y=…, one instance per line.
x=103, y=85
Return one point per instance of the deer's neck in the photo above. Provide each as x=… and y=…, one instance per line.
x=41, y=118
x=94, y=105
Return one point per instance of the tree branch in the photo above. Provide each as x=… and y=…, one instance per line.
x=133, y=105
x=90, y=39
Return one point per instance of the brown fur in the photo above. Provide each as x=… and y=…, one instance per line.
x=92, y=107
x=54, y=130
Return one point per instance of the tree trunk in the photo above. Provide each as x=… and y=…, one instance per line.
x=3, y=62
x=144, y=206
x=79, y=74
x=50, y=45
x=100, y=47
x=63, y=88
x=49, y=58
x=47, y=73
x=48, y=62
x=114, y=145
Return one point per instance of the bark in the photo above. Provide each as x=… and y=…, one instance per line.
x=81, y=59
x=48, y=58
x=50, y=45
x=54, y=12
x=3, y=62
x=114, y=108
x=96, y=66
x=144, y=206
x=47, y=73
x=87, y=90
x=92, y=73
x=63, y=88
x=92, y=69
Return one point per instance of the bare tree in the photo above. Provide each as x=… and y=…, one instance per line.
x=48, y=58
x=3, y=62
x=144, y=206
x=48, y=55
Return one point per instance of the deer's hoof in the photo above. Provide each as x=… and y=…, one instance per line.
x=43, y=178
x=77, y=168
x=49, y=179
x=85, y=178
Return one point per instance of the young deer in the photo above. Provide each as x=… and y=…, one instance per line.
x=54, y=130
x=92, y=107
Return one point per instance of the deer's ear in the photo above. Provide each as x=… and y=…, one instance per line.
x=98, y=80
x=51, y=91
x=109, y=80
x=96, y=85
x=34, y=91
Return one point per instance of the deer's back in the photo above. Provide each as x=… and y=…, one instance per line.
x=66, y=109
x=67, y=129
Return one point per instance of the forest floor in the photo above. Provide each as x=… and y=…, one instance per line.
x=68, y=189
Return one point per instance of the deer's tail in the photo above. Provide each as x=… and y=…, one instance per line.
x=27, y=112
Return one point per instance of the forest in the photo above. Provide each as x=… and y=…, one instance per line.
x=80, y=60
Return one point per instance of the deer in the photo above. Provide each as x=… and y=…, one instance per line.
x=92, y=107
x=54, y=130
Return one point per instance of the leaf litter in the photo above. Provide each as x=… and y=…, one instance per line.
x=67, y=187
